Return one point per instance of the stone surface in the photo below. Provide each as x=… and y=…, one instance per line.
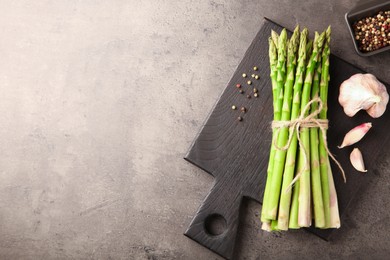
x=100, y=100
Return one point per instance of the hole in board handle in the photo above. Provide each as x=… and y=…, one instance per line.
x=215, y=225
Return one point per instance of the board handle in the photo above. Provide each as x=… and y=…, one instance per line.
x=216, y=222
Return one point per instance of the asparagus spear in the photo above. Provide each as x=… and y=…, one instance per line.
x=304, y=216
x=288, y=175
x=333, y=204
x=315, y=173
x=323, y=115
x=278, y=92
x=273, y=59
x=283, y=102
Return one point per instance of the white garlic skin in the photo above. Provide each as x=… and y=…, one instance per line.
x=363, y=91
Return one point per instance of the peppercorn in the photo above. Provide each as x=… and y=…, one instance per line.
x=239, y=118
x=241, y=91
x=243, y=109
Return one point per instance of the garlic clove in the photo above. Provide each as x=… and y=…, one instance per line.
x=363, y=91
x=357, y=162
x=355, y=134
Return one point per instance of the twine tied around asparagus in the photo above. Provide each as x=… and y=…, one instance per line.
x=308, y=121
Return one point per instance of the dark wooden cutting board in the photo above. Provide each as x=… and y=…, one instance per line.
x=236, y=153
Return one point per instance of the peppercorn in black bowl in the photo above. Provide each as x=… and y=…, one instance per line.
x=369, y=26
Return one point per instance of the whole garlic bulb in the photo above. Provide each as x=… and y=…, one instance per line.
x=363, y=91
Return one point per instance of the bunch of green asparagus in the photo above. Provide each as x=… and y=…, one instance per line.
x=299, y=184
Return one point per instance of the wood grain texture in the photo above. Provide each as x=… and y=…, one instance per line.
x=236, y=153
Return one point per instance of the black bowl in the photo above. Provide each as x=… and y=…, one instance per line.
x=362, y=11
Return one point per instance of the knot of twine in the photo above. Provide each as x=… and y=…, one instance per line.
x=309, y=121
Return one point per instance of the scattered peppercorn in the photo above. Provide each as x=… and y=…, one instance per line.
x=249, y=82
x=243, y=109
x=256, y=76
x=255, y=68
x=239, y=118
x=243, y=75
x=254, y=90
x=241, y=91
x=238, y=85
x=234, y=107
x=255, y=95
x=373, y=33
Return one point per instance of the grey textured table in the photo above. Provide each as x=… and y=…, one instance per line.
x=100, y=100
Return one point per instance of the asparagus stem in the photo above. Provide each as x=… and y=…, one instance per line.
x=266, y=226
x=304, y=214
x=323, y=115
x=273, y=59
x=334, y=207
x=318, y=205
x=288, y=175
x=270, y=211
x=293, y=221
x=274, y=225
